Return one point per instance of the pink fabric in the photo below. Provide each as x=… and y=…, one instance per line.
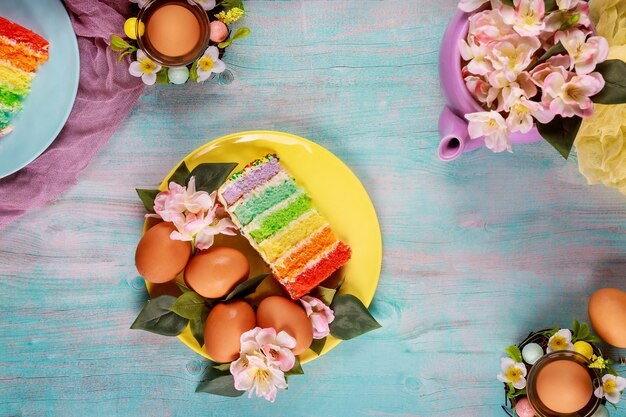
x=106, y=94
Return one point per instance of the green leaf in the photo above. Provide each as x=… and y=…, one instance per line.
x=575, y=327
x=318, y=345
x=123, y=54
x=560, y=133
x=180, y=175
x=231, y=3
x=352, y=318
x=182, y=287
x=513, y=393
x=324, y=294
x=147, y=198
x=296, y=370
x=508, y=3
x=549, y=5
x=554, y=50
x=162, y=76
x=223, y=385
x=189, y=305
x=118, y=44
x=514, y=353
x=573, y=19
x=268, y=287
x=156, y=317
x=193, y=72
x=614, y=73
x=209, y=176
x=240, y=34
x=225, y=44
x=222, y=367
x=593, y=339
x=197, y=326
x=246, y=287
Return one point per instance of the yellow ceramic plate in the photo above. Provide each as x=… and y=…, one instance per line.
x=336, y=192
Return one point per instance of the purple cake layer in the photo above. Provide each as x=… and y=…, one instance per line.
x=250, y=179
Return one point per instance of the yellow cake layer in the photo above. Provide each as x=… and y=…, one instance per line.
x=16, y=79
x=298, y=230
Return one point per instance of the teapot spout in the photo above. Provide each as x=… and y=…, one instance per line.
x=454, y=136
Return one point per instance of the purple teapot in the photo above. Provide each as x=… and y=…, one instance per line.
x=452, y=125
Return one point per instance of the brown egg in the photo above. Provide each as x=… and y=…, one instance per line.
x=215, y=272
x=283, y=314
x=223, y=329
x=607, y=312
x=564, y=386
x=158, y=258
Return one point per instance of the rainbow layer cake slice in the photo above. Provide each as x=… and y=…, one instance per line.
x=21, y=53
x=278, y=219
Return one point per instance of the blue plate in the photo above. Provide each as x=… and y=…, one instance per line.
x=50, y=101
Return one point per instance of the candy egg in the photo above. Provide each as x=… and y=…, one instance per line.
x=531, y=353
x=178, y=75
x=607, y=312
x=223, y=329
x=218, y=30
x=584, y=349
x=283, y=314
x=524, y=409
x=130, y=28
x=158, y=258
x=215, y=272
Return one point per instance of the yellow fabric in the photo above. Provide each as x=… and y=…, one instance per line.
x=601, y=140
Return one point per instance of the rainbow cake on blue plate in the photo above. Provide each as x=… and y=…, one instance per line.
x=21, y=53
x=280, y=222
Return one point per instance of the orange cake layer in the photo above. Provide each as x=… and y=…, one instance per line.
x=297, y=260
x=20, y=56
x=312, y=276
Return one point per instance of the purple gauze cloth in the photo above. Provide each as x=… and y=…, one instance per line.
x=106, y=94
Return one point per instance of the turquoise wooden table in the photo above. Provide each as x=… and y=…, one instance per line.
x=477, y=252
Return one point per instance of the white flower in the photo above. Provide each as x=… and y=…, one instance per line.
x=492, y=126
x=611, y=389
x=513, y=373
x=562, y=340
x=476, y=56
x=140, y=3
x=145, y=68
x=522, y=110
x=209, y=63
x=566, y=4
x=206, y=4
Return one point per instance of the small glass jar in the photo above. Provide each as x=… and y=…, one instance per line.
x=541, y=410
x=172, y=59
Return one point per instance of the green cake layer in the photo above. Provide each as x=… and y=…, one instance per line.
x=268, y=198
x=280, y=218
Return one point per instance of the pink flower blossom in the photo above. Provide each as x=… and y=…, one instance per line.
x=319, y=314
x=510, y=59
x=481, y=90
x=526, y=18
x=577, y=16
x=167, y=204
x=202, y=227
x=264, y=357
x=566, y=4
x=487, y=26
x=492, y=126
x=522, y=111
x=557, y=63
x=584, y=52
x=569, y=96
x=470, y=5
x=476, y=56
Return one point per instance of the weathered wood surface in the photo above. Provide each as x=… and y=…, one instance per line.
x=477, y=252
